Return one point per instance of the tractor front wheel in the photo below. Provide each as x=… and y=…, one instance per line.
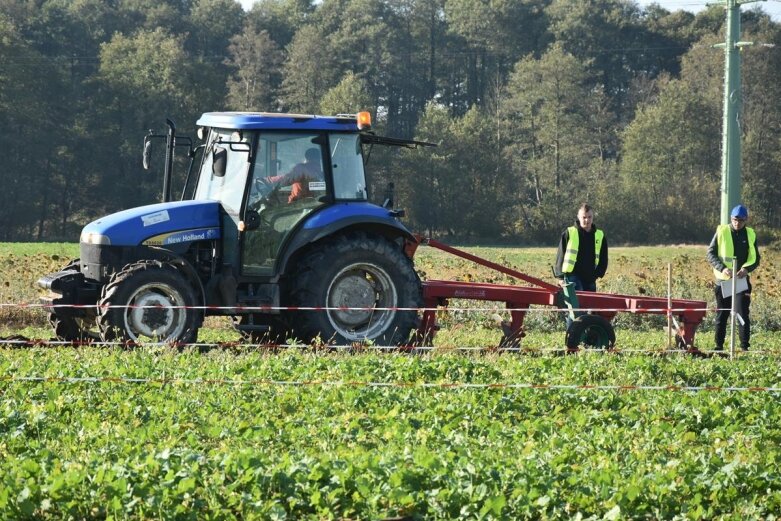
x=362, y=281
x=149, y=301
x=592, y=331
x=72, y=329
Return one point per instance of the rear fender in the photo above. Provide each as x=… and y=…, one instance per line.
x=306, y=238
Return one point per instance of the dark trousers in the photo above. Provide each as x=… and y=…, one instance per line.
x=742, y=303
x=578, y=285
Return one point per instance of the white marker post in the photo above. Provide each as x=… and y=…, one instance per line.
x=669, y=305
x=732, y=312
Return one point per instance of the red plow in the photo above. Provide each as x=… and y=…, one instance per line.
x=686, y=314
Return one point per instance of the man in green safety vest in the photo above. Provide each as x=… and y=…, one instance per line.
x=739, y=242
x=582, y=255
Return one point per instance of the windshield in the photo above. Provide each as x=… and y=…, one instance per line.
x=223, y=173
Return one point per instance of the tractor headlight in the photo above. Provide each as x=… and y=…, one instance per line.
x=94, y=238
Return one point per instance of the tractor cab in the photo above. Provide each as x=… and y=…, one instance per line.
x=270, y=172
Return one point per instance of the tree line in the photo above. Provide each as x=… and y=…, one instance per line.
x=536, y=106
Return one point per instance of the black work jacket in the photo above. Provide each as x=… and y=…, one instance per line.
x=584, y=265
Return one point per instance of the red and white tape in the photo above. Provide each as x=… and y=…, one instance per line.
x=346, y=308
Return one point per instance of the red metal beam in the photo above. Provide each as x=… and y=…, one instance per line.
x=488, y=264
x=446, y=289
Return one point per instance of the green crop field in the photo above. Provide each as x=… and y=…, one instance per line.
x=241, y=433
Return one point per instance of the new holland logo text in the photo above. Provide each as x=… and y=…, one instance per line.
x=181, y=237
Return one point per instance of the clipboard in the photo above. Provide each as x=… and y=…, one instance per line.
x=741, y=285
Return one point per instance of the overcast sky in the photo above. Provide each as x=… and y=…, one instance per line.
x=772, y=7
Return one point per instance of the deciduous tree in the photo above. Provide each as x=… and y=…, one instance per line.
x=256, y=61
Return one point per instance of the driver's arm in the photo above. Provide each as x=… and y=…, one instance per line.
x=288, y=178
x=275, y=179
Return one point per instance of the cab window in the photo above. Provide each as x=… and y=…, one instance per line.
x=347, y=166
x=224, y=170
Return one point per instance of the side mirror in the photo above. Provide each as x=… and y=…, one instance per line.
x=251, y=220
x=147, y=157
x=219, y=161
x=389, y=193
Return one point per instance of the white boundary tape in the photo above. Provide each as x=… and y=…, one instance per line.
x=345, y=308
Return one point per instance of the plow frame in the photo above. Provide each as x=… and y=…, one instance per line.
x=687, y=314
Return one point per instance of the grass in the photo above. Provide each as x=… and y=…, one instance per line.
x=66, y=250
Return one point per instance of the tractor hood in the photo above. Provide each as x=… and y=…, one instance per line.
x=157, y=224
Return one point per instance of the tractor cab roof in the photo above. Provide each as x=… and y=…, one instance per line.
x=360, y=122
x=273, y=121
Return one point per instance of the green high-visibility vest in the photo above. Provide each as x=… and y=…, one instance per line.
x=571, y=254
x=727, y=249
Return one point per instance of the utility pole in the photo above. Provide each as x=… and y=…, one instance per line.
x=730, y=143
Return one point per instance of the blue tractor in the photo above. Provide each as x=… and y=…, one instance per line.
x=276, y=215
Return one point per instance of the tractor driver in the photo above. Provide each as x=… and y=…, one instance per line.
x=306, y=177
x=301, y=175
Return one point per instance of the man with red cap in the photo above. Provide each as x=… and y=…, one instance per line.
x=739, y=242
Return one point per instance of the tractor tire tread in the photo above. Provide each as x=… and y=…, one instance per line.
x=109, y=332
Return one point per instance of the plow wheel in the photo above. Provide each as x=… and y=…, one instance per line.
x=361, y=272
x=591, y=331
x=149, y=301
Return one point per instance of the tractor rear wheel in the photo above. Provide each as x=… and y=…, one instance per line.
x=592, y=331
x=149, y=301
x=362, y=280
